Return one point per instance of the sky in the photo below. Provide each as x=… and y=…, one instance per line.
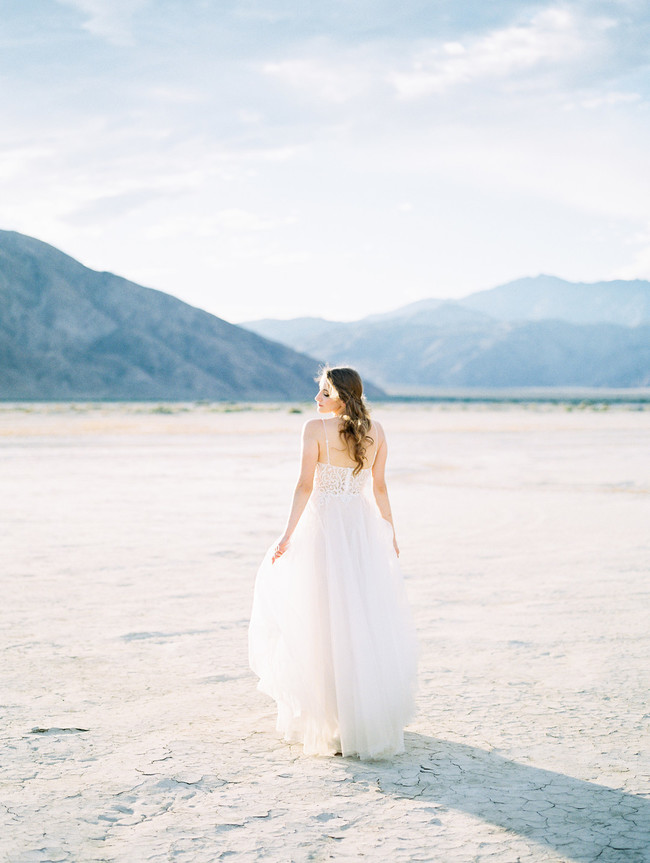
x=280, y=158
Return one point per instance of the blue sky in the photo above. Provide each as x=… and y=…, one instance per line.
x=337, y=159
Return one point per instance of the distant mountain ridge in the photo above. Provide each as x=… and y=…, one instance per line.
x=533, y=332
x=548, y=298
x=68, y=332
x=544, y=298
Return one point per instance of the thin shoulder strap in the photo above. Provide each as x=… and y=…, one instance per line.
x=327, y=443
x=376, y=448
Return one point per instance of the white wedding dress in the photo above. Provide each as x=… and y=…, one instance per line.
x=331, y=636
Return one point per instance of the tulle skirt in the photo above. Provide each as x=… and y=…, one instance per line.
x=331, y=636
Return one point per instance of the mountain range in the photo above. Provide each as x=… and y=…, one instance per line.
x=68, y=332
x=539, y=332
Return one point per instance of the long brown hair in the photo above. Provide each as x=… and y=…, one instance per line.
x=346, y=383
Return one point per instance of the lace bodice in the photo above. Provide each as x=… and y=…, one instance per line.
x=331, y=479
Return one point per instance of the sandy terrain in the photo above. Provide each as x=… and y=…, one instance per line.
x=131, y=726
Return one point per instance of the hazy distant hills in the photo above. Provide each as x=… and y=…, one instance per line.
x=67, y=332
x=533, y=332
x=547, y=297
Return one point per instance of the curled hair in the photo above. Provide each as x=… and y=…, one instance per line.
x=346, y=383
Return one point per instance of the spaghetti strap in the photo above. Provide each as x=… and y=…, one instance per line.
x=376, y=448
x=327, y=443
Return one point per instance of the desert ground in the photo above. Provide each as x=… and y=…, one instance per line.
x=132, y=729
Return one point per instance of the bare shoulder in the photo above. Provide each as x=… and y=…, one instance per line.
x=379, y=431
x=311, y=428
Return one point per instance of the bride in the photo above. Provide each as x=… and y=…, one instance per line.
x=330, y=635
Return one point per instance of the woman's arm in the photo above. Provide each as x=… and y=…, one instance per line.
x=304, y=485
x=379, y=487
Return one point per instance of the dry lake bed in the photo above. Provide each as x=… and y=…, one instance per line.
x=131, y=726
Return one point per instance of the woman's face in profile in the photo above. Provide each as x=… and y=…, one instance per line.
x=326, y=400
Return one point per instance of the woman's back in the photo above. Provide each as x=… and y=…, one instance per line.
x=333, y=450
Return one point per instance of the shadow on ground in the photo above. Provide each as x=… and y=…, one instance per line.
x=580, y=820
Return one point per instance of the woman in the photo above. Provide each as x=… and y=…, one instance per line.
x=331, y=637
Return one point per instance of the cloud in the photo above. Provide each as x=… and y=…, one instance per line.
x=607, y=99
x=283, y=259
x=335, y=80
x=534, y=108
x=561, y=53
x=111, y=20
x=19, y=158
x=553, y=37
x=242, y=220
x=175, y=95
x=639, y=266
x=99, y=210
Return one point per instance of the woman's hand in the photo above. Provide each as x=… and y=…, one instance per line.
x=395, y=545
x=280, y=548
